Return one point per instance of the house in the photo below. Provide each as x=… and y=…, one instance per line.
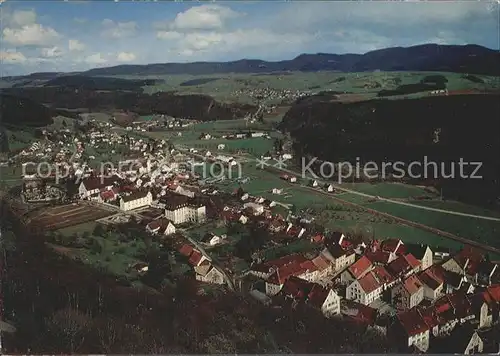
x=358, y=313
x=357, y=270
x=339, y=258
x=93, y=185
x=404, y=265
x=108, y=195
x=433, y=285
x=422, y=252
x=323, y=265
x=221, y=146
x=326, y=300
x=277, y=191
x=135, y=200
x=266, y=269
x=392, y=245
x=195, y=257
x=485, y=273
x=366, y=289
x=313, y=183
x=256, y=208
x=181, y=209
x=485, y=309
x=212, y=239
x=305, y=270
x=161, y=226
x=411, y=329
x=408, y=293
x=207, y=273
x=293, y=179
x=463, y=340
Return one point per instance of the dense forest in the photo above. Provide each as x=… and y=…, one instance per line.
x=201, y=107
x=445, y=129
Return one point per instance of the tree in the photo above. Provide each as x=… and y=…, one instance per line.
x=70, y=327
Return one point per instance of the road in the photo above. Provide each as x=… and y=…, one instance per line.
x=346, y=190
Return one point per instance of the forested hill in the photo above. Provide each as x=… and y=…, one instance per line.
x=201, y=107
x=444, y=128
x=427, y=57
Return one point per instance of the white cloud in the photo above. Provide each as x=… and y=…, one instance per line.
x=204, y=17
x=75, y=45
x=168, y=35
x=12, y=57
x=22, y=18
x=114, y=29
x=125, y=57
x=30, y=35
x=233, y=41
x=52, y=52
x=96, y=58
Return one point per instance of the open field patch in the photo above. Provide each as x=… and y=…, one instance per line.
x=457, y=206
x=59, y=217
x=388, y=190
x=483, y=231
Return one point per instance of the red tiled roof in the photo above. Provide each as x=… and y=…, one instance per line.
x=412, y=284
x=186, y=250
x=390, y=245
x=195, y=258
x=494, y=292
x=412, y=261
x=107, y=194
x=412, y=322
x=360, y=267
x=318, y=238
x=378, y=256
x=321, y=262
x=295, y=258
x=382, y=275
x=438, y=271
x=317, y=295
x=403, y=264
x=430, y=279
x=369, y=283
x=296, y=288
x=358, y=312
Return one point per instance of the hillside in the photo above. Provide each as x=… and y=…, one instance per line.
x=444, y=129
x=21, y=111
x=201, y=107
x=98, y=83
x=428, y=57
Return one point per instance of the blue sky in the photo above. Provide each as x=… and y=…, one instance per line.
x=77, y=35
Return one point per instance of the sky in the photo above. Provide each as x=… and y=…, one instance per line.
x=73, y=35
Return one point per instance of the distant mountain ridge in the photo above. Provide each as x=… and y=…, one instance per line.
x=429, y=57
x=470, y=58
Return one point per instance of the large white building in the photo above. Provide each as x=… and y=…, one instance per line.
x=90, y=187
x=136, y=200
x=181, y=209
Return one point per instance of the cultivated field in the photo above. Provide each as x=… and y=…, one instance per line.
x=59, y=217
x=232, y=87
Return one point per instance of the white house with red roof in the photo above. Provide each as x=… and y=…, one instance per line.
x=357, y=270
x=326, y=300
x=412, y=330
x=432, y=283
x=365, y=290
x=296, y=267
x=207, y=273
x=407, y=293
